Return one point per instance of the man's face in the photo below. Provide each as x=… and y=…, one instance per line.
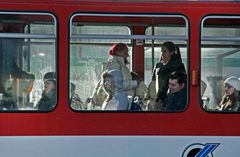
x=49, y=86
x=174, y=86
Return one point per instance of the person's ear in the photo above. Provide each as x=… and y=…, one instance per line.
x=182, y=85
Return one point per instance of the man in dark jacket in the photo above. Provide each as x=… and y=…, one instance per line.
x=49, y=94
x=170, y=61
x=176, y=99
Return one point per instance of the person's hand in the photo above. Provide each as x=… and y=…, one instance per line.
x=155, y=105
x=136, y=77
x=76, y=98
x=88, y=100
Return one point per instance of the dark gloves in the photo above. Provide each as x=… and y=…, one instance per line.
x=136, y=77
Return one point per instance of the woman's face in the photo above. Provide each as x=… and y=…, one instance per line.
x=123, y=53
x=49, y=86
x=166, y=54
x=228, y=89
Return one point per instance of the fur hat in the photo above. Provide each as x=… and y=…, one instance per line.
x=234, y=82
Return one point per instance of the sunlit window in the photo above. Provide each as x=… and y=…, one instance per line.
x=98, y=43
x=220, y=58
x=28, y=61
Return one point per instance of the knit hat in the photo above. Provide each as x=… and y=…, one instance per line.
x=117, y=47
x=234, y=82
x=112, y=51
x=50, y=76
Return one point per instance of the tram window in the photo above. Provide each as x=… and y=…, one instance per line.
x=88, y=55
x=91, y=37
x=28, y=52
x=220, y=58
x=167, y=29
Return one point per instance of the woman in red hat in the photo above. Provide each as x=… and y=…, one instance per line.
x=118, y=60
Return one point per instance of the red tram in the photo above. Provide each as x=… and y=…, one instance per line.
x=72, y=38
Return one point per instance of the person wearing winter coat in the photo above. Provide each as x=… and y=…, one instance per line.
x=117, y=99
x=118, y=60
x=49, y=95
x=176, y=99
x=230, y=100
x=170, y=61
x=14, y=78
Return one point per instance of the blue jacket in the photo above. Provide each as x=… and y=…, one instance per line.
x=119, y=99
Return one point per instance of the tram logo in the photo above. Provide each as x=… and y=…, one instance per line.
x=200, y=150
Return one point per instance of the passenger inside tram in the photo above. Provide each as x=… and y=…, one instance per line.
x=49, y=95
x=16, y=83
x=117, y=99
x=170, y=61
x=230, y=100
x=118, y=60
x=176, y=98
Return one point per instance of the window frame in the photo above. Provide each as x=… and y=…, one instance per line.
x=215, y=39
x=29, y=36
x=131, y=37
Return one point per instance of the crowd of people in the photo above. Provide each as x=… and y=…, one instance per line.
x=169, y=79
x=119, y=87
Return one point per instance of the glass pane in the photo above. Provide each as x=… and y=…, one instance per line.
x=167, y=31
x=45, y=29
x=25, y=61
x=103, y=30
x=27, y=23
x=86, y=68
x=220, y=64
x=158, y=73
x=221, y=27
x=92, y=36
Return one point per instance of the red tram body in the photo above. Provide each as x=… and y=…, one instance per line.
x=66, y=122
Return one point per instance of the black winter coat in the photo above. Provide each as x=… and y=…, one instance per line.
x=161, y=75
x=47, y=103
x=176, y=101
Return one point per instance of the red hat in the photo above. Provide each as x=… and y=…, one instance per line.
x=112, y=50
x=117, y=47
